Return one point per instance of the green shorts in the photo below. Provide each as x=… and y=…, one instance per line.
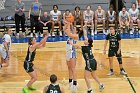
x=91, y=65
x=113, y=52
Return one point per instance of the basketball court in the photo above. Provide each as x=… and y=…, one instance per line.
x=51, y=59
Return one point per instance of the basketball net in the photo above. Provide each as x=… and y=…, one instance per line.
x=2, y=4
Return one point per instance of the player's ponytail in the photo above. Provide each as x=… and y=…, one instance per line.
x=90, y=41
x=6, y=30
x=30, y=41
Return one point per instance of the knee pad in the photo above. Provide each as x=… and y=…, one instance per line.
x=119, y=60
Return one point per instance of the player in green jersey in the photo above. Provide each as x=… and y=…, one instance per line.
x=114, y=50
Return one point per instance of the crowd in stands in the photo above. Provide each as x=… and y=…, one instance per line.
x=82, y=18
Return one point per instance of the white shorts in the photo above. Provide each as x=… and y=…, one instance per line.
x=4, y=53
x=70, y=54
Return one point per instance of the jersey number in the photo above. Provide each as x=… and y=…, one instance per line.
x=86, y=54
x=113, y=44
x=53, y=91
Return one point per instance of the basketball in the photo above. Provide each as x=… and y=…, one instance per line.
x=70, y=18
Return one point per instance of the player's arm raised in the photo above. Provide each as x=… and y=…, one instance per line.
x=42, y=43
x=67, y=31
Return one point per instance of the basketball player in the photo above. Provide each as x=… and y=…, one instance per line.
x=114, y=50
x=55, y=17
x=53, y=87
x=4, y=49
x=71, y=63
x=78, y=16
x=99, y=18
x=111, y=17
x=88, y=16
x=134, y=13
x=124, y=19
x=91, y=64
x=28, y=63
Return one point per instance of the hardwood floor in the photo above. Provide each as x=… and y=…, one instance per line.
x=51, y=59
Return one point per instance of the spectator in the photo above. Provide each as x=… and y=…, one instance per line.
x=113, y=3
x=78, y=16
x=111, y=17
x=134, y=13
x=45, y=22
x=34, y=16
x=99, y=18
x=53, y=87
x=66, y=15
x=138, y=3
x=20, y=17
x=120, y=4
x=124, y=19
x=55, y=17
x=88, y=16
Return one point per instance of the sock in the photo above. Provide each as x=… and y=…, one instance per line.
x=111, y=70
x=122, y=69
x=89, y=90
x=1, y=66
x=74, y=82
x=70, y=80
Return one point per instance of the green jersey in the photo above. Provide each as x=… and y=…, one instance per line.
x=53, y=89
x=87, y=53
x=91, y=64
x=113, y=40
x=30, y=55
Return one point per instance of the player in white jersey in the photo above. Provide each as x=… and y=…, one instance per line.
x=71, y=63
x=88, y=16
x=134, y=13
x=111, y=17
x=71, y=56
x=124, y=19
x=99, y=18
x=4, y=49
x=55, y=17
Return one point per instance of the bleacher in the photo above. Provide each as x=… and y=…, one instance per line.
x=63, y=5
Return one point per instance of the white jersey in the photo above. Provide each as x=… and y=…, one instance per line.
x=88, y=15
x=111, y=16
x=55, y=15
x=100, y=16
x=6, y=38
x=3, y=52
x=133, y=14
x=70, y=50
x=124, y=16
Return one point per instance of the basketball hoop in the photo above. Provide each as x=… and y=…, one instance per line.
x=2, y=4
